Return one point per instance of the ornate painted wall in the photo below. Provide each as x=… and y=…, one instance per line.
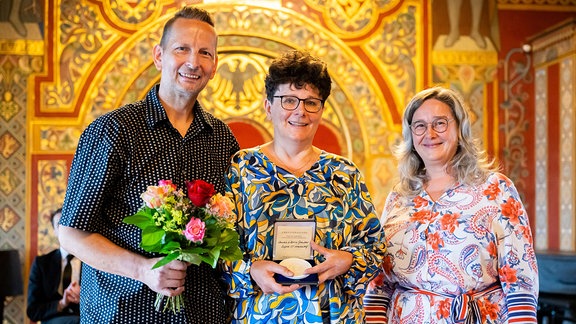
x=554, y=62
x=65, y=62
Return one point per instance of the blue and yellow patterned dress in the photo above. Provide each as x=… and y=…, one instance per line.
x=333, y=193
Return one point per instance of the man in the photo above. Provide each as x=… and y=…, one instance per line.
x=51, y=299
x=166, y=136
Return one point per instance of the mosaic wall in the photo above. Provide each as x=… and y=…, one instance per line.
x=12, y=147
x=13, y=161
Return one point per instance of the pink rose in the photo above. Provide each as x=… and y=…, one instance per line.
x=195, y=230
x=199, y=192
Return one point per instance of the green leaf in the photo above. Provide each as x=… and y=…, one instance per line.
x=152, y=235
x=210, y=221
x=215, y=253
x=139, y=221
x=210, y=241
x=136, y=219
x=172, y=237
x=151, y=248
x=142, y=219
x=167, y=259
x=191, y=257
x=232, y=253
x=195, y=250
x=210, y=260
x=229, y=237
x=170, y=247
x=211, y=236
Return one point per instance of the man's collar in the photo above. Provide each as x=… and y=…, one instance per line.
x=157, y=113
x=63, y=253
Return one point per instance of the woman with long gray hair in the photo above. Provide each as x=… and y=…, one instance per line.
x=459, y=245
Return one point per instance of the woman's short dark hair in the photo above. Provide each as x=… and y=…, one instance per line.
x=298, y=68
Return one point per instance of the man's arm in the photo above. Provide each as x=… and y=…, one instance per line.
x=102, y=254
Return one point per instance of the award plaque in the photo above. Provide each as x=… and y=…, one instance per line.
x=292, y=249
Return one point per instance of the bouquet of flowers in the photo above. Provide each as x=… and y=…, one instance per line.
x=196, y=228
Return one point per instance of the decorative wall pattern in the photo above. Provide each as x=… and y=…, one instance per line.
x=567, y=151
x=52, y=175
x=396, y=48
x=350, y=20
x=470, y=70
x=541, y=143
x=14, y=72
x=515, y=85
x=554, y=60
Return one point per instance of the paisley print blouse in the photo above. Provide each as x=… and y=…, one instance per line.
x=332, y=193
x=466, y=258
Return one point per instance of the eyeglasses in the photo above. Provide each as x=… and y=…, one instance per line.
x=439, y=125
x=311, y=105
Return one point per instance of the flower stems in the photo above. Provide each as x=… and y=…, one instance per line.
x=174, y=303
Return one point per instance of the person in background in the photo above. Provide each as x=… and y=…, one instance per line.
x=459, y=245
x=51, y=299
x=166, y=136
x=290, y=179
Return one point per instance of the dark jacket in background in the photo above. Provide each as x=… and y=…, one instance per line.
x=43, y=295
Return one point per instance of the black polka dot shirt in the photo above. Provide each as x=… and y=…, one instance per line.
x=118, y=156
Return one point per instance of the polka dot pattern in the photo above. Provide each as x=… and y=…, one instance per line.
x=118, y=156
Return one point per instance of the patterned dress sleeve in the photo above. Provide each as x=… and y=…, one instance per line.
x=518, y=270
x=367, y=243
x=236, y=274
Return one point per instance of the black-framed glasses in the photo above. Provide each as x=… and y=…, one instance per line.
x=311, y=105
x=439, y=125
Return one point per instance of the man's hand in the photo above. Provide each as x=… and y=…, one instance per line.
x=71, y=295
x=168, y=279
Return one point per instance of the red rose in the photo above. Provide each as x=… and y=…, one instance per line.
x=199, y=192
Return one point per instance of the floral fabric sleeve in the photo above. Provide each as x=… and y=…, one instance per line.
x=380, y=290
x=518, y=270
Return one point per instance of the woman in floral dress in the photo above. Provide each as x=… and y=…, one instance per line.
x=459, y=246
